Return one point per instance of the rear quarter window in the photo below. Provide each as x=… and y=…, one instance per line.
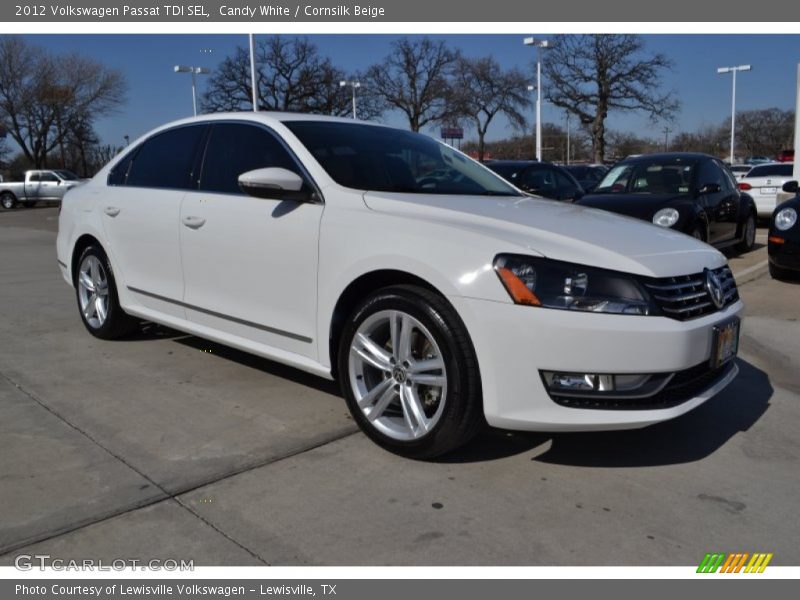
x=166, y=159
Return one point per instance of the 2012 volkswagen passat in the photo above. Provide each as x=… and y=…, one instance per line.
x=438, y=294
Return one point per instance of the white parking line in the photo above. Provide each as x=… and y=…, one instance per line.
x=744, y=272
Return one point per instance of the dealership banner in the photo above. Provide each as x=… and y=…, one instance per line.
x=320, y=11
x=397, y=589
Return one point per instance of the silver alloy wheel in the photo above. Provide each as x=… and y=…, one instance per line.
x=93, y=291
x=398, y=375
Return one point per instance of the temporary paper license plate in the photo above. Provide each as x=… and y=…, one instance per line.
x=726, y=343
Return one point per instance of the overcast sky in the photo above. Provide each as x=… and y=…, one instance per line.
x=157, y=95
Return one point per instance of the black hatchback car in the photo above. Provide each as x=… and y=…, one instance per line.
x=692, y=193
x=539, y=178
x=783, y=245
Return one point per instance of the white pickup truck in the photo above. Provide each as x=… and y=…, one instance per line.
x=39, y=186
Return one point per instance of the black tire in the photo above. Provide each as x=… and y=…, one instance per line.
x=462, y=416
x=782, y=274
x=8, y=200
x=117, y=323
x=749, y=235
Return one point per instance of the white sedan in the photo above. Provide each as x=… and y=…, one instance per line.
x=439, y=295
x=763, y=182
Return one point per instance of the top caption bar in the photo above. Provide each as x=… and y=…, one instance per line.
x=95, y=11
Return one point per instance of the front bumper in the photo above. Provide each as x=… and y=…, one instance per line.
x=514, y=343
x=786, y=255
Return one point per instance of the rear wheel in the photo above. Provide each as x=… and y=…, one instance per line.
x=8, y=200
x=409, y=373
x=749, y=239
x=98, y=301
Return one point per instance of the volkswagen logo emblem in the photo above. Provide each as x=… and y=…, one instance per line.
x=714, y=289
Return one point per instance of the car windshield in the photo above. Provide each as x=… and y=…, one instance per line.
x=780, y=170
x=666, y=176
x=369, y=157
x=66, y=175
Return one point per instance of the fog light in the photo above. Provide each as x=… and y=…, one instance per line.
x=593, y=382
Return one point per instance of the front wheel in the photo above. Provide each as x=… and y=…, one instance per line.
x=8, y=201
x=749, y=238
x=782, y=274
x=98, y=301
x=409, y=373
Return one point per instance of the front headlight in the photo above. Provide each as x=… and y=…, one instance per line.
x=666, y=217
x=566, y=286
x=785, y=219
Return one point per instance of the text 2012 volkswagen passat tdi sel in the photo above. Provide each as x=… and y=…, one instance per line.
x=438, y=294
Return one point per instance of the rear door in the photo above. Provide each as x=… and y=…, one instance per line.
x=49, y=186
x=250, y=264
x=141, y=216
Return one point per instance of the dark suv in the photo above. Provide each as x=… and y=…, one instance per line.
x=539, y=178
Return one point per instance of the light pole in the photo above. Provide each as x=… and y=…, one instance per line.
x=253, y=82
x=733, y=70
x=566, y=112
x=194, y=71
x=353, y=85
x=538, y=44
x=666, y=131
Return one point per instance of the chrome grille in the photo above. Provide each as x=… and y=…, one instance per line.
x=685, y=296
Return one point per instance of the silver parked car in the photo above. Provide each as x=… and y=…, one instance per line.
x=39, y=185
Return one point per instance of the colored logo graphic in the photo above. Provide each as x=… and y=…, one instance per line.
x=720, y=562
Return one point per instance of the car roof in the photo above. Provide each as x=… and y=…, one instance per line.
x=516, y=163
x=666, y=156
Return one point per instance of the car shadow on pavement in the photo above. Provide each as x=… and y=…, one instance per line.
x=690, y=437
x=152, y=331
x=262, y=364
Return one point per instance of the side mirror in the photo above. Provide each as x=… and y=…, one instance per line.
x=791, y=187
x=709, y=188
x=273, y=183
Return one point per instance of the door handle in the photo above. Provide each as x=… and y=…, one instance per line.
x=111, y=211
x=193, y=222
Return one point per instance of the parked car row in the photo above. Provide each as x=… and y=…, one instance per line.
x=440, y=296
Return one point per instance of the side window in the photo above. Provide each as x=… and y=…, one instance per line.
x=34, y=177
x=119, y=172
x=539, y=180
x=235, y=148
x=166, y=159
x=710, y=173
x=564, y=182
x=729, y=183
x=49, y=177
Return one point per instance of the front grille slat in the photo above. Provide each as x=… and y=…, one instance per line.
x=685, y=296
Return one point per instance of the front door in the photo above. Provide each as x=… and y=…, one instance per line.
x=250, y=264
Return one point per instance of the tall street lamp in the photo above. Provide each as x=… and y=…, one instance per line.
x=353, y=85
x=253, y=80
x=538, y=44
x=733, y=70
x=195, y=71
x=566, y=112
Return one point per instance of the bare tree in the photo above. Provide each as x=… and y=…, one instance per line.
x=764, y=132
x=291, y=75
x=483, y=90
x=415, y=79
x=590, y=75
x=44, y=99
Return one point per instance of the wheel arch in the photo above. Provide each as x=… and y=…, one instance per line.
x=359, y=288
x=83, y=242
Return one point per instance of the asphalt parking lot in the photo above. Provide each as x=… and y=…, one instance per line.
x=168, y=446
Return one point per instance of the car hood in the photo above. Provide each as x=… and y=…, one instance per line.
x=559, y=230
x=640, y=206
